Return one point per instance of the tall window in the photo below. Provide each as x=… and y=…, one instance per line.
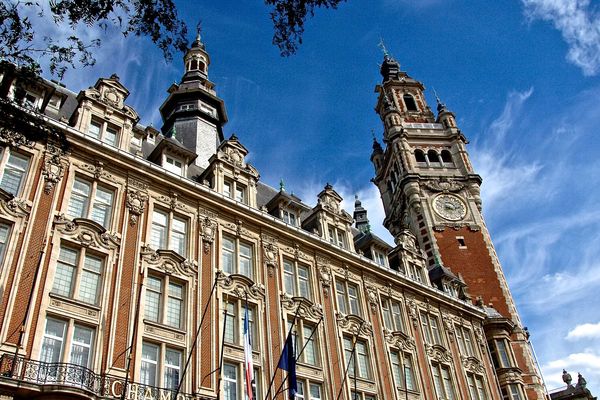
x=442, y=380
x=289, y=217
x=296, y=279
x=13, y=167
x=234, y=382
x=103, y=131
x=4, y=235
x=306, y=339
x=53, y=344
x=431, y=330
x=337, y=236
x=359, y=363
x=234, y=330
x=512, y=392
x=78, y=275
x=236, y=257
x=415, y=272
x=403, y=370
x=164, y=301
x=235, y=190
x=169, y=232
x=476, y=387
x=392, y=314
x=380, y=258
x=347, y=297
x=409, y=101
x=315, y=391
x=92, y=201
x=465, y=340
x=160, y=366
x=500, y=351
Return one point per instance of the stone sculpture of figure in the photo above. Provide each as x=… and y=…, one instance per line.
x=581, y=382
x=566, y=377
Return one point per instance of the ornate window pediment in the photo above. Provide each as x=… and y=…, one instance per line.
x=302, y=306
x=473, y=365
x=240, y=286
x=438, y=353
x=12, y=206
x=353, y=324
x=399, y=339
x=169, y=262
x=87, y=232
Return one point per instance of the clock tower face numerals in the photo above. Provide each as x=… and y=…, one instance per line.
x=449, y=207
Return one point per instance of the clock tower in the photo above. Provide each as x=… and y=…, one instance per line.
x=428, y=185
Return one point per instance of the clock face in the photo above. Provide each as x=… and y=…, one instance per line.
x=449, y=207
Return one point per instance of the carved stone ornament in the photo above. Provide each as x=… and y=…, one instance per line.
x=448, y=324
x=301, y=306
x=298, y=254
x=15, y=207
x=87, y=232
x=479, y=336
x=353, y=324
x=372, y=297
x=399, y=339
x=137, y=196
x=172, y=200
x=238, y=228
x=240, y=286
x=472, y=364
x=411, y=309
x=438, y=353
x=270, y=252
x=444, y=185
x=169, y=262
x=208, y=229
x=14, y=139
x=98, y=171
x=324, y=274
x=54, y=166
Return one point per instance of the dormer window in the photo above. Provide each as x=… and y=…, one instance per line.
x=337, y=236
x=379, y=258
x=173, y=164
x=235, y=190
x=32, y=100
x=288, y=217
x=136, y=143
x=409, y=101
x=240, y=193
x=103, y=131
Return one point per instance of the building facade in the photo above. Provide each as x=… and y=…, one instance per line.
x=131, y=258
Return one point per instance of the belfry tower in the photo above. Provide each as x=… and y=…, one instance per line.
x=428, y=185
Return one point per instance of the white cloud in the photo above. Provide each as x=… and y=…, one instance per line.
x=587, y=363
x=584, y=331
x=579, y=24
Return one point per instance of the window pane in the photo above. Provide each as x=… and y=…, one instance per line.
x=227, y=189
x=149, y=364
x=397, y=313
x=172, y=368
x=153, y=299
x=94, y=129
x=78, y=205
x=303, y=282
x=174, y=305
x=409, y=372
x=53, y=341
x=230, y=382
x=90, y=280
x=81, y=346
x=14, y=171
x=353, y=298
x=159, y=230
x=230, y=328
x=340, y=290
x=4, y=229
x=310, y=351
x=102, y=209
x=387, y=314
x=178, y=235
x=65, y=269
x=227, y=255
x=288, y=278
x=110, y=136
x=246, y=260
x=315, y=391
x=396, y=369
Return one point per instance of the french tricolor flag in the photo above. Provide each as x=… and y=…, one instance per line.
x=248, y=357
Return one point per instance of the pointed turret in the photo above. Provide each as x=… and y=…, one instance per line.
x=361, y=221
x=193, y=108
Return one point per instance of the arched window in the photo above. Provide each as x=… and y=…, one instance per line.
x=447, y=157
x=194, y=65
x=420, y=156
x=201, y=66
x=433, y=157
x=409, y=101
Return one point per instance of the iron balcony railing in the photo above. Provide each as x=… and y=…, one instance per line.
x=19, y=368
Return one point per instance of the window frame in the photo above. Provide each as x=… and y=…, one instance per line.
x=235, y=188
x=294, y=278
x=361, y=355
x=236, y=256
x=392, y=320
x=476, y=386
x=164, y=296
x=5, y=155
x=337, y=236
x=160, y=364
x=78, y=269
x=166, y=242
x=68, y=341
x=172, y=166
x=414, y=105
x=501, y=359
x=240, y=381
x=446, y=382
x=432, y=331
x=464, y=339
x=344, y=300
x=301, y=332
x=289, y=217
x=407, y=375
x=237, y=322
x=5, y=235
x=103, y=127
x=91, y=200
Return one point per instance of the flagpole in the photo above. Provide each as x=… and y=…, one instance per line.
x=275, y=372
x=226, y=314
x=351, y=359
x=299, y=354
x=212, y=290
x=133, y=335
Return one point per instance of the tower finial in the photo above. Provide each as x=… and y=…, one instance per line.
x=281, y=185
x=198, y=29
x=382, y=47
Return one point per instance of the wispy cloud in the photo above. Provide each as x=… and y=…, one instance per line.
x=579, y=23
x=587, y=363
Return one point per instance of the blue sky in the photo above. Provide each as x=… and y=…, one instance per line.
x=521, y=76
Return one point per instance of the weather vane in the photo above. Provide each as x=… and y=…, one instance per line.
x=382, y=46
x=198, y=29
